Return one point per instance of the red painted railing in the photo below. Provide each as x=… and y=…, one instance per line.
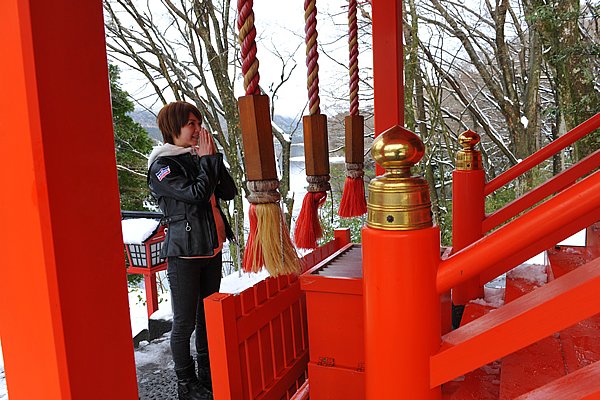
x=578, y=201
x=543, y=154
x=258, y=338
x=528, y=319
x=518, y=324
x=470, y=223
x=553, y=185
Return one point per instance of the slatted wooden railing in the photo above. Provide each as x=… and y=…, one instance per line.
x=258, y=338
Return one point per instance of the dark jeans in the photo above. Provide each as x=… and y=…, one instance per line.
x=190, y=280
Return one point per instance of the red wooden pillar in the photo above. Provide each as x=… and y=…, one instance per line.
x=468, y=209
x=401, y=254
x=63, y=274
x=402, y=312
x=151, y=293
x=388, y=66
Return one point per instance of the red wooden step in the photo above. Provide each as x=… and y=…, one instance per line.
x=584, y=384
x=535, y=365
x=580, y=342
x=532, y=367
x=481, y=384
x=564, y=259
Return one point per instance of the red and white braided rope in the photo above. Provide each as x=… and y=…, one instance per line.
x=247, y=38
x=312, y=56
x=353, y=45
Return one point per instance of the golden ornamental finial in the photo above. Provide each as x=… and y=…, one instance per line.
x=397, y=200
x=397, y=148
x=468, y=139
x=468, y=158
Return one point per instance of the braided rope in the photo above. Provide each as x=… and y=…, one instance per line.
x=318, y=183
x=312, y=56
x=247, y=38
x=355, y=170
x=353, y=67
x=262, y=192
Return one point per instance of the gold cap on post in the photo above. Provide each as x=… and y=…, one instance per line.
x=397, y=200
x=468, y=159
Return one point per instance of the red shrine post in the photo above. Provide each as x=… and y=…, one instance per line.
x=401, y=253
x=63, y=268
x=468, y=209
x=401, y=246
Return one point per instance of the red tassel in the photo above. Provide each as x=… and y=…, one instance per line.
x=253, y=257
x=353, y=201
x=308, y=228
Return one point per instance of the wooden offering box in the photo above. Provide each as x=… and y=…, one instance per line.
x=334, y=306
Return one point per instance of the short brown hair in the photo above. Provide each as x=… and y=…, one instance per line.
x=172, y=117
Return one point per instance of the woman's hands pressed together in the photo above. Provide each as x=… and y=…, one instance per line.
x=206, y=144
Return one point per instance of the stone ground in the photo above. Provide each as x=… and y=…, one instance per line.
x=154, y=364
x=155, y=373
x=156, y=383
x=154, y=369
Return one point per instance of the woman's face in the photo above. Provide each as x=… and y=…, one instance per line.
x=189, y=133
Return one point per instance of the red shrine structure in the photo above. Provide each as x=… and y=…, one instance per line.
x=369, y=321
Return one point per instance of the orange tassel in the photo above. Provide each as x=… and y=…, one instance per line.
x=353, y=201
x=308, y=228
x=269, y=244
x=253, y=257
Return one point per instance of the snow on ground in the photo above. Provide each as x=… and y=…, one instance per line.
x=138, y=313
x=158, y=352
x=533, y=273
x=577, y=239
x=492, y=297
x=499, y=282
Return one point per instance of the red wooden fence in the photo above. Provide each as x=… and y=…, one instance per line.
x=258, y=338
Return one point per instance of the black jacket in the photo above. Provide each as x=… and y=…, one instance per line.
x=183, y=185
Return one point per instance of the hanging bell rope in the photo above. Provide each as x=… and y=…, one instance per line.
x=269, y=242
x=353, y=201
x=247, y=38
x=316, y=148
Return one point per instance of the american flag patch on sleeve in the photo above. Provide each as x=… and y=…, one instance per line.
x=163, y=172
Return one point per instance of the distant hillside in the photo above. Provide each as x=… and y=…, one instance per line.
x=288, y=124
x=148, y=121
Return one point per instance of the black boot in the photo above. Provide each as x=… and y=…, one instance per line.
x=204, y=370
x=188, y=387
